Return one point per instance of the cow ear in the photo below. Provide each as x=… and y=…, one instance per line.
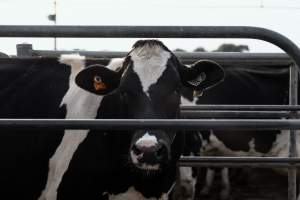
x=98, y=79
x=202, y=75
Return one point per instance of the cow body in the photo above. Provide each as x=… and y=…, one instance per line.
x=29, y=89
x=90, y=164
x=248, y=86
x=34, y=88
x=243, y=86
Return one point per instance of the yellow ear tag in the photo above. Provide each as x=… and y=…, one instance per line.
x=197, y=93
x=98, y=84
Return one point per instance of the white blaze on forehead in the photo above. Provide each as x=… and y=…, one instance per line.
x=147, y=141
x=149, y=62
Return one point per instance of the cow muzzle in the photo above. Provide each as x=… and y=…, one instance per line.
x=148, y=153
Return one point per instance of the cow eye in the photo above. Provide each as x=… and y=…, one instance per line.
x=97, y=79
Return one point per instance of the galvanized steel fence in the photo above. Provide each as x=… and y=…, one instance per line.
x=292, y=59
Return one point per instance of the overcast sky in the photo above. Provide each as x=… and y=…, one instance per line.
x=282, y=16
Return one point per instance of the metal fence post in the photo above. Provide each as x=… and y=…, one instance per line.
x=293, y=100
x=24, y=50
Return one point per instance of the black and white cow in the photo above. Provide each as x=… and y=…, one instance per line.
x=149, y=74
x=248, y=86
x=33, y=88
x=185, y=188
x=137, y=164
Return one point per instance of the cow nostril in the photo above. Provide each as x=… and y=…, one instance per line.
x=136, y=150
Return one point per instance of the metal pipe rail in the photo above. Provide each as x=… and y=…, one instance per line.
x=241, y=107
x=155, y=32
x=191, y=114
x=293, y=100
x=170, y=124
x=178, y=32
x=261, y=162
x=245, y=59
x=228, y=57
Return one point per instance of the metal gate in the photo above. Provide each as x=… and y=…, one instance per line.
x=290, y=111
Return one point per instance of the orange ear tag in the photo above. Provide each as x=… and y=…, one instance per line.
x=98, y=84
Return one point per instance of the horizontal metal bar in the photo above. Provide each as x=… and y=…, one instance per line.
x=155, y=32
x=92, y=54
x=260, y=162
x=182, y=55
x=268, y=59
x=195, y=114
x=20, y=60
x=277, y=66
x=129, y=124
x=242, y=107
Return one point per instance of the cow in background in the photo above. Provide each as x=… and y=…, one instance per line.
x=185, y=188
x=33, y=89
x=248, y=86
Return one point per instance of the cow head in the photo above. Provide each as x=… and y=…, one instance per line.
x=149, y=87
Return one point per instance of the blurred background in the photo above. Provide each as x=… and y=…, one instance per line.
x=282, y=16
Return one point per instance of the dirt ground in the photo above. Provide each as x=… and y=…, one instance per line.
x=251, y=184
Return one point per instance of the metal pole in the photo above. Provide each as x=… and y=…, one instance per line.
x=55, y=23
x=293, y=100
x=24, y=50
x=191, y=114
x=155, y=32
x=215, y=161
x=245, y=59
x=172, y=124
x=241, y=107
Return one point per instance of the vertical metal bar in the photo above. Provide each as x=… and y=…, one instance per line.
x=293, y=100
x=55, y=23
x=24, y=50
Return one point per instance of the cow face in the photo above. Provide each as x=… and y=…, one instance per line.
x=149, y=87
